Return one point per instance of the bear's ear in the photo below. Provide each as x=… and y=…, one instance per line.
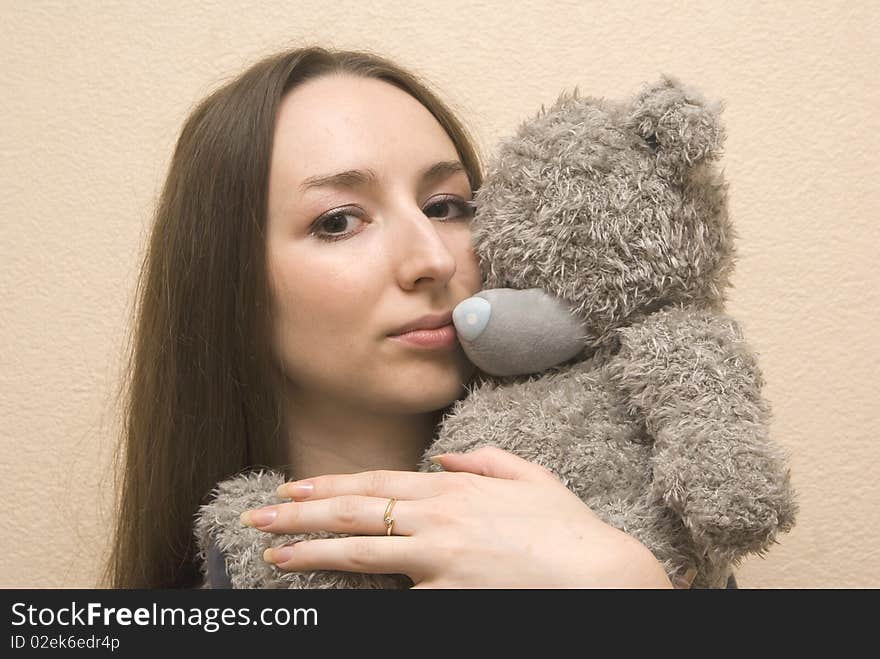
x=677, y=123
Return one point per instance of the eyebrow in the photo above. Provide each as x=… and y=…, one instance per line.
x=354, y=178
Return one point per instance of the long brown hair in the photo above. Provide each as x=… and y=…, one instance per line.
x=201, y=396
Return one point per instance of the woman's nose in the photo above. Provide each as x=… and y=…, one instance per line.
x=422, y=253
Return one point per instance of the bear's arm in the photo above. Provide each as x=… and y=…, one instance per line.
x=693, y=379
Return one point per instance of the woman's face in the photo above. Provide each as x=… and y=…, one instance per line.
x=354, y=258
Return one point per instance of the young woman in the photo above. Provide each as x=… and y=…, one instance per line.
x=317, y=208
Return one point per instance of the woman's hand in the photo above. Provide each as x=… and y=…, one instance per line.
x=491, y=520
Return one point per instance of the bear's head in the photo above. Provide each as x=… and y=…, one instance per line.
x=616, y=208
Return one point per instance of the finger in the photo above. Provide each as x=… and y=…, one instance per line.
x=685, y=580
x=372, y=555
x=344, y=514
x=379, y=483
x=496, y=463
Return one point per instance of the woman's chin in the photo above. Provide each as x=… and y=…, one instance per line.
x=435, y=391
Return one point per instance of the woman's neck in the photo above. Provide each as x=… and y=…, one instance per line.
x=326, y=438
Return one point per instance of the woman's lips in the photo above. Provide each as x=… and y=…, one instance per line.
x=425, y=338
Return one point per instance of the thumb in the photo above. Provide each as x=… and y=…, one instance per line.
x=494, y=462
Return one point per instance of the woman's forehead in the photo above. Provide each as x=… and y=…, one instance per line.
x=341, y=123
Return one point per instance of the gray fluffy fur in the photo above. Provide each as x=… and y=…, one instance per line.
x=659, y=425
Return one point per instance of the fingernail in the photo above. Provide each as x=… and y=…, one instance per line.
x=278, y=554
x=685, y=580
x=436, y=459
x=295, y=490
x=259, y=517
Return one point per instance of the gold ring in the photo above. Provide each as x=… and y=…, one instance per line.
x=389, y=521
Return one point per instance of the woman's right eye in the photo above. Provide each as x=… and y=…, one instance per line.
x=333, y=226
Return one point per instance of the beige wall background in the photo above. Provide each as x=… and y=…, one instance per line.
x=94, y=94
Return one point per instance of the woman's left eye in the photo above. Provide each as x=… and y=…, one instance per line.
x=450, y=208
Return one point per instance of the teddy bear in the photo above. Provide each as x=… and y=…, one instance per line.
x=603, y=348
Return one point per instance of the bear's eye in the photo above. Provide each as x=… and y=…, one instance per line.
x=651, y=141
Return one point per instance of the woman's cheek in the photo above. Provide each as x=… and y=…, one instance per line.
x=467, y=267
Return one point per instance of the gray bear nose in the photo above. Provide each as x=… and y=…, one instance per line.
x=471, y=316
